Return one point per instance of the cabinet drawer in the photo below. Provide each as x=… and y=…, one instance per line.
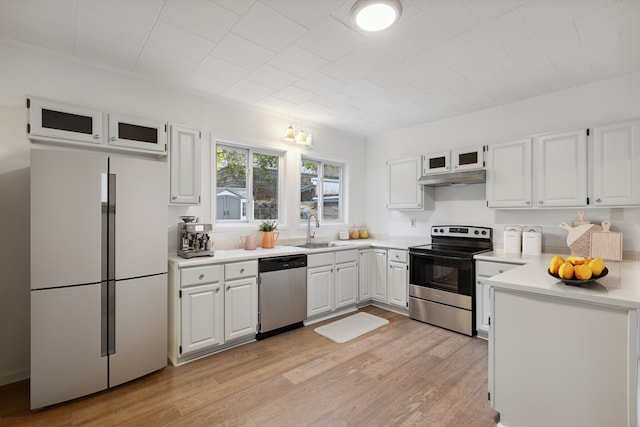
x=317, y=260
x=488, y=269
x=200, y=275
x=397, y=255
x=238, y=270
x=346, y=256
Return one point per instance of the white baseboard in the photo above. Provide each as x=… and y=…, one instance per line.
x=14, y=376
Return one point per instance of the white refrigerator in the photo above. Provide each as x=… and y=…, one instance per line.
x=98, y=272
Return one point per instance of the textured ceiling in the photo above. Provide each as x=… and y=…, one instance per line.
x=303, y=60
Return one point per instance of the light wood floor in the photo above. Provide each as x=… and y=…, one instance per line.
x=404, y=374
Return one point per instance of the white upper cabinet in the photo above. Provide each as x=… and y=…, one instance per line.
x=403, y=190
x=616, y=164
x=561, y=169
x=436, y=163
x=184, y=159
x=54, y=121
x=468, y=158
x=139, y=134
x=509, y=174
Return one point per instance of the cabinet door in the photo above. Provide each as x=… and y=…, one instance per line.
x=140, y=134
x=437, y=163
x=397, y=284
x=240, y=308
x=379, y=277
x=403, y=190
x=482, y=306
x=616, y=170
x=66, y=123
x=468, y=158
x=346, y=282
x=184, y=159
x=202, y=317
x=509, y=174
x=364, y=274
x=319, y=290
x=561, y=169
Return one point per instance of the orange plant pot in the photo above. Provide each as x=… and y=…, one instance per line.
x=269, y=239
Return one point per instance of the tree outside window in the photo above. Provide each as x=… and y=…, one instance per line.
x=321, y=190
x=247, y=184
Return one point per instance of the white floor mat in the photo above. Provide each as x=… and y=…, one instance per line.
x=351, y=327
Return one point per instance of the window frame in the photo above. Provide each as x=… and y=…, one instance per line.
x=249, y=201
x=342, y=193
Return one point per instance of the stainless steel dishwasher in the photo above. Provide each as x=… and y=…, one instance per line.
x=282, y=290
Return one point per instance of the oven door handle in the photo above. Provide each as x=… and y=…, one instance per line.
x=431, y=256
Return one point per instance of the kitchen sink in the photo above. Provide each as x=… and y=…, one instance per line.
x=322, y=245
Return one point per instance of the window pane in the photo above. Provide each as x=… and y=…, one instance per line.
x=265, y=186
x=231, y=183
x=308, y=188
x=331, y=192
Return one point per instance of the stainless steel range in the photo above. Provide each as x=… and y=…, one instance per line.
x=442, y=276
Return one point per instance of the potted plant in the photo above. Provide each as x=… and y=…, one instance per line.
x=269, y=235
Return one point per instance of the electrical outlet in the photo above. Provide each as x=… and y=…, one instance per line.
x=413, y=222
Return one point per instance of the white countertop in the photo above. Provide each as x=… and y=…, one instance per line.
x=620, y=288
x=231, y=255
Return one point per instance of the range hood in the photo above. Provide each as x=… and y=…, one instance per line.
x=450, y=178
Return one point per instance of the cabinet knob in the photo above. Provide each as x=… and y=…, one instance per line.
x=228, y=288
x=241, y=270
x=113, y=138
x=217, y=290
x=598, y=200
x=96, y=136
x=201, y=277
x=500, y=271
x=541, y=202
x=528, y=202
x=174, y=197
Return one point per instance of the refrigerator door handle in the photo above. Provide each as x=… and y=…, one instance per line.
x=104, y=316
x=111, y=265
x=111, y=315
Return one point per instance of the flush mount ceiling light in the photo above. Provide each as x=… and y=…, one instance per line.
x=376, y=15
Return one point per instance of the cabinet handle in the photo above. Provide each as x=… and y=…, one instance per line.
x=96, y=136
x=201, y=277
x=598, y=200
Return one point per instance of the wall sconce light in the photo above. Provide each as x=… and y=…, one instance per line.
x=302, y=137
x=290, y=135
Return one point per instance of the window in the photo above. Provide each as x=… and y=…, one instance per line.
x=321, y=190
x=247, y=184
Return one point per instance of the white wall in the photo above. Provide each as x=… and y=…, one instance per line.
x=24, y=71
x=581, y=107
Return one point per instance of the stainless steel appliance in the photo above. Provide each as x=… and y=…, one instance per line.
x=442, y=276
x=194, y=239
x=282, y=294
x=98, y=272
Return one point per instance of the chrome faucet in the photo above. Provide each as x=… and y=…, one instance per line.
x=309, y=235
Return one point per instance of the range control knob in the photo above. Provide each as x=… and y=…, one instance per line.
x=484, y=232
x=476, y=232
x=442, y=230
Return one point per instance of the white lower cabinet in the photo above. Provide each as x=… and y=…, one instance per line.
x=332, y=281
x=210, y=306
x=484, y=270
x=379, y=277
x=365, y=264
x=202, y=317
x=398, y=278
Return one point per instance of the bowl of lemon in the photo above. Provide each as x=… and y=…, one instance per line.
x=577, y=270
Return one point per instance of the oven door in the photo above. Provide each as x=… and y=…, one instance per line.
x=444, y=272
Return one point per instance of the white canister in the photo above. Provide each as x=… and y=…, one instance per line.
x=532, y=240
x=512, y=239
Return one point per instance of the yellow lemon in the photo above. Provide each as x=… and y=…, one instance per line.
x=566, y=271
x=596, y=265
x=555, y=264
x=583, y=272
x=576, y=260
